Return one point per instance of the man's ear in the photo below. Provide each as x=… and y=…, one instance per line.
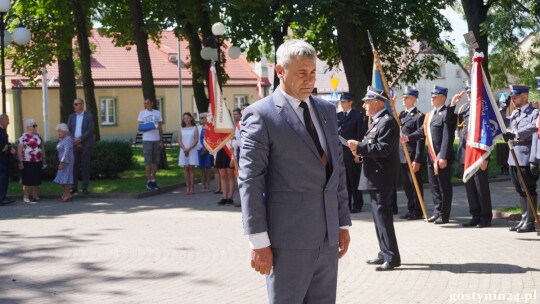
x=279, y=70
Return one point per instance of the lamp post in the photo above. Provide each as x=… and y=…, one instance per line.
x=21, y=36
x=212, y=49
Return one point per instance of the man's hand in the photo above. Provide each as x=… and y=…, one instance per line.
x=61, y=166
x=442, y=163
x=404, y=139
x=344, y=240
x=353, y=145
x=457, y=98
x=484, y=165
x=534, y=169
x=262, y=260
x=76, y=141
x=415, y=167
x=357, y=159
x=509, y=136
x=393, y=99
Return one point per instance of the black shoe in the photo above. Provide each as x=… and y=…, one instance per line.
x=356, y=210
x=433, y=218
x=230, y=201
x=483, y=225
x=217, y=192
x=471, y=223
x=85, y=191
x=376, y=261
x=440, y=221
x=6, y=201
x=386, y=266
x=405, y=216
x=222, y=202
x=73, y=191
x=528, y=227
x=413, y=217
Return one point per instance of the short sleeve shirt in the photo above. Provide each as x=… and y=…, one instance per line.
x=31, y=148
x=153, y=116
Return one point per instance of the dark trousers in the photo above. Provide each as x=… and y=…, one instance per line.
x=4, y=177
x=381, y=208
x=301, y=276
x=479, y=196
x=413, y=203
x=82, y=161
x=352, y=171
x=441, y=190
x=530, y=180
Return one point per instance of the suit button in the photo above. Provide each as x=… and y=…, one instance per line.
x=377, y=171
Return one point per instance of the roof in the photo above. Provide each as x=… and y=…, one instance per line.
x=119, y=66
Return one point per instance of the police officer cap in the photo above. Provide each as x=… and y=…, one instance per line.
x=468, y=85
x=374, y=93
x=516, y=89
x=538, y=81
x=411, y=92
x=437, y=90
x=346, y=96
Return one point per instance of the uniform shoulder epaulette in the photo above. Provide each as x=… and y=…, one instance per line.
x=420, y=113
x=388, y=116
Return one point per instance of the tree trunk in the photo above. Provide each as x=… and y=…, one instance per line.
x=141, y=40
x=199, y=68
x=476, y=13
x=86, y=66
x=277, y=36
x=357, y=58
x=68, y=87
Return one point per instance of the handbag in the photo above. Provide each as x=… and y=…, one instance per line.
x=147, y=126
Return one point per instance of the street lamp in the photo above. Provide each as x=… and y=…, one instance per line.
x=21, y=36
x=213, y=48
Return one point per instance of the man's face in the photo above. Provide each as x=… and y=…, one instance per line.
x=298, y=79
x=372, y=106
x=4, y=122
x=236, y=116
x=438, y=100
x=346, y=105
x=148, y=104
x=520, y=100
x=408, y=101
x=78, y=106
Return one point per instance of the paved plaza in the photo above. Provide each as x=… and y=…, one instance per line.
x=175, y=248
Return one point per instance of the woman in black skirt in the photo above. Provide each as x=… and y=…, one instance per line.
x=225, y=166
x=31, y=154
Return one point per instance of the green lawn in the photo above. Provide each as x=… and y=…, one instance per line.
x=131, y=181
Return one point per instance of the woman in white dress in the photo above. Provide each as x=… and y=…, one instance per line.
x=188, y=138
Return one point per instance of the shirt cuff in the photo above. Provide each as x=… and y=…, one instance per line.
x=259, y=240
x=344, y=227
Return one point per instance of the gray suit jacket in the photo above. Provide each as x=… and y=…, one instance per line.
x=87, y=132
x=523, y=123
x=283, y=186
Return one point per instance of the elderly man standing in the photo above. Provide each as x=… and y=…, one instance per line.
x=6, y=151
x=81, y=128
x=380, y=171
x=521, y=131
x=292, y=184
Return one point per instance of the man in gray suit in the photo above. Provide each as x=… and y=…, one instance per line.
x=81, y=127
x=292, y=184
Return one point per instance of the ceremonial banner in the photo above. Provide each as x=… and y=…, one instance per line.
x=485, y=122
x=219, y=126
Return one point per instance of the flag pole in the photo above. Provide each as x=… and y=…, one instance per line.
x=396, y=116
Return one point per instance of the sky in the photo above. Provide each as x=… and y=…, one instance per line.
x=459, y=26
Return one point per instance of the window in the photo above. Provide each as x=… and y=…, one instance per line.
x=239, y=100
x=107, y=110
x=160, y=104
x=440, y=71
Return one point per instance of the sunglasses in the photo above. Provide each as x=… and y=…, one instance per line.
x=76, y=104
x=35, y=126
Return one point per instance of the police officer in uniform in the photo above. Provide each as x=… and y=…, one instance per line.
x=412, y=120
x=522, y=133
x=380, y=153
x=352, y=124
x=477, y=187
x=439, y=127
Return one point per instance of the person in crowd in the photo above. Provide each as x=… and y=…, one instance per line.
x=64, y=175
x=352, y=124
x=81, y=127
x=152, y=142
x=205, y=158
x=188, y=139
x=31, y=155
x=292, y=184
x=380, y=152
x=477, y=187
x=412, y=120
x=6, y=152
x=521, y=132
x=440, y=128
x=237, y=142
x=225, y=166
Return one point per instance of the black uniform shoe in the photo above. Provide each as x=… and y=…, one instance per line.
x=414, y=217
x=483, y=225
x=230, y=201
x=528, y=227
x=433, y=219
x=375, y=261
x=471, y=223
x=222, y=202
x=441, y=221
x=405, y=216
x=386, y=266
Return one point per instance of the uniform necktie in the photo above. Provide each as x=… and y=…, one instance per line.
x=314, y=136
x=345, y=116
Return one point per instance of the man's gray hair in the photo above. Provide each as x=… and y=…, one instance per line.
x=62, y=127
x=294, y=48
x=4, y=116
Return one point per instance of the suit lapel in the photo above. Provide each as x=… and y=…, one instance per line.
x=321, y=116
x=287, y=112
x=437, y=116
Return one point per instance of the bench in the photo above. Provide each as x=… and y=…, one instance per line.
x=167, y=139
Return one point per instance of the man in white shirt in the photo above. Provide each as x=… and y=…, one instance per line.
x=152, y=142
